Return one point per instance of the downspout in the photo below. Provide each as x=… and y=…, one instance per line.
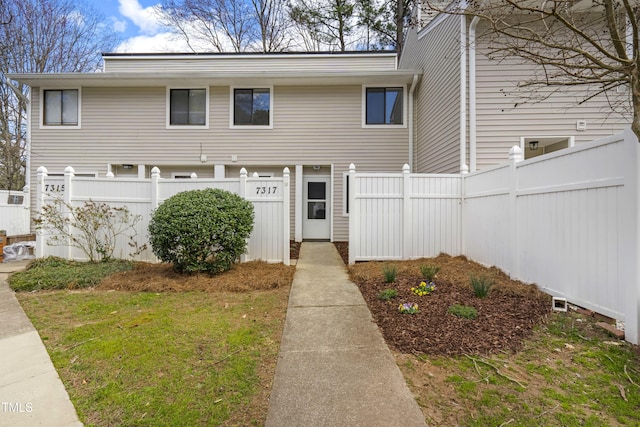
x=410, y=119
x=472, y=92
x=463, y=93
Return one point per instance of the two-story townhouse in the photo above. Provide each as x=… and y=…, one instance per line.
x=469, y=112
x=213, y=114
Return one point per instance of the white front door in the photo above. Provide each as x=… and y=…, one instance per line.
x=316, y=208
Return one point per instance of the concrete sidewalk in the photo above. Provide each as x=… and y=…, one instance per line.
x=334, y=368
x=31, y=393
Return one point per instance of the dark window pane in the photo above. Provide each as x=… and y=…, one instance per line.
x=316, y=210
x=316, y=190
x=375, y=106
x=242, y=106
x=261, y=105
x=346, y=210
x=394, y=106
x=179, y=114
x=197, y=106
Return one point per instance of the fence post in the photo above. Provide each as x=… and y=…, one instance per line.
x=286, y=202
x=406, y=212
x=464, y=173
x=515, y=156
x=243, y=192
x=353, y=215
x=155, y=177
x=69, y=173
x=40, y=237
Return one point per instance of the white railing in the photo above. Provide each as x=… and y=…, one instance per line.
x=568, y=221
x=14, y=212
x=269, y=240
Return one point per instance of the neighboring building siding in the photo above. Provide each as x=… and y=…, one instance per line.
x=251, y=63
x=318, y=125
x=436, y=50
x=501, y=123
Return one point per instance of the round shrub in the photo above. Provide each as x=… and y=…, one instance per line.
x=201, y=230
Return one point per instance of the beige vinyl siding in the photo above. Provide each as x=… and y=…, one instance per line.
x=503, y=118
x=436, y=50
x=316, y=125
x=252, y=63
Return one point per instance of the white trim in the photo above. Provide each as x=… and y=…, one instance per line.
x=463, y=93
x=298, y=203
x=42, y=108
x=168, y=107
x=232, y=125
x=223, y=56
x=384, y=126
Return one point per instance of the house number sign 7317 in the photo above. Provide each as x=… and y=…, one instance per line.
x=266, y=190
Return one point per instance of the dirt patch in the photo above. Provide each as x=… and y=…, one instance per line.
x=505, y=318
x=245, y=277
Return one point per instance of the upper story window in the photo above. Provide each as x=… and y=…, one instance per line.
x=61, y=107
x=252, y=107
x=384, y=106
x=188, y=107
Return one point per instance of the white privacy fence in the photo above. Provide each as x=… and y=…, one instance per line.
x=269, y=240
x=568, y=221
x=14, y=212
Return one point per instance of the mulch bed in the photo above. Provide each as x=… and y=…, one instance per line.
x=506, y=317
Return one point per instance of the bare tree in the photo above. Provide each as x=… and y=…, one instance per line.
x=593, y=46
x=228, y=25
x=40, y=36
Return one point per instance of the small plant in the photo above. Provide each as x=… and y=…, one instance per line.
x=424, y=288
x=429, y=272
x=387, y=294
x=408, y=308
x=463, y=311
x=481, y=285
x=92, y=227
x=389, y=272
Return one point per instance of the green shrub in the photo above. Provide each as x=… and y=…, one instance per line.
x=389, y=272
x=387, y=294
x=57, y=273
x=481, y=285
x=429, y=272
x=201, y=230
x=463, y=311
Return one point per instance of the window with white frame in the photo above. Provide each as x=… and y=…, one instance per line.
x=384, y=106
x=188, y=107
x=61, y=107
x=252, y=107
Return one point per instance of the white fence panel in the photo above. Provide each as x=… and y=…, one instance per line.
x=568, y=221
x=269, y=240
x=15, y=218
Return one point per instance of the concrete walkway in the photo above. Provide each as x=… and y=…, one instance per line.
x=334, y=368
x=31, y=393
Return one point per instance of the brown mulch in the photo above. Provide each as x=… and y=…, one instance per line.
x=245, y=277
x=506, y=317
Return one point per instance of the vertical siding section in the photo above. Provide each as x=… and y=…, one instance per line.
x=436, y=50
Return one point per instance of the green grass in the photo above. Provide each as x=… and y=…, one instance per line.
x=572, y=374
x=57, y=273
x=172, y=359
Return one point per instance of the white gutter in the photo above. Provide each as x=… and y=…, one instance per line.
x=472, y=92
x=463, y=93
x=410, y=119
